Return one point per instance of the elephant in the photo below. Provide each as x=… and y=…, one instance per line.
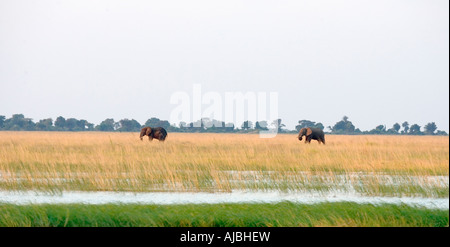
x=158, y=133
x=312, y=133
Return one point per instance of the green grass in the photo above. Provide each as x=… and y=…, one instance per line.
x=221, y=215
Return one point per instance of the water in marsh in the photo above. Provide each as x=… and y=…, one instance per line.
x=238, y=196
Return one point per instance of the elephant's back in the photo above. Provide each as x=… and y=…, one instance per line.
x=161, y=132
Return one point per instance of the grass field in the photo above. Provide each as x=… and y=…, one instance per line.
x=222, y=215
x=98, y=161
x=387, y=166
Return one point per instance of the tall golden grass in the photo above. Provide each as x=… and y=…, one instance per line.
x=216, y=162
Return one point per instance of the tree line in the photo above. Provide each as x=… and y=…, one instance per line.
x=18, y=122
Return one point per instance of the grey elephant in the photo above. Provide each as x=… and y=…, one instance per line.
x=312, y=134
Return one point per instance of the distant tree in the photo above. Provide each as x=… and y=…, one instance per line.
x=45, y=124
x=206, y=123
x=2, y=121
x=165, y=124
x=261, y=125
x=308, y=123
x=394, y=130
x=106, y=125
x=304, y=124
x=396, y=127
x=152, y=122
x=84, y=125
x=172, y=128
x=379, y=130
x=71, y=124
x=405, y=126
x=229, y=127
x=247, y=125
x=211, y=126
x=218, y=123
x=441, y=133
x=430, y=128
x=156, y=122
x=277, y=123
x=116, y=125
x=319, y=126
x=343, y=127
x=415, y=130
x=60, y=123
x=19, y=122
x=197, y=126
x=127, y=125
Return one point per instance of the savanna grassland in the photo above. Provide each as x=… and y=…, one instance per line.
x=98, y=161
x=386, y=166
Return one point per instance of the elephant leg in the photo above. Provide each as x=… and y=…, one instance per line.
x=157, y=136
x=161, y=138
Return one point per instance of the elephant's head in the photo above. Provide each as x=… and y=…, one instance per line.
x=146, y=131
x=304, y=132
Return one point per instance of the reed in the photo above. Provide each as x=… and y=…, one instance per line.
x=222, y=215
x=99, y=161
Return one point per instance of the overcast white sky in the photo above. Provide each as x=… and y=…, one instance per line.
x=377, y=62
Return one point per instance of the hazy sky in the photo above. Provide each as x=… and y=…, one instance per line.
x=377, y=62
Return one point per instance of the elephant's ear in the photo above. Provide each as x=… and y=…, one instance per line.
x=302, y=132
x=308, y=131
x=149, y=130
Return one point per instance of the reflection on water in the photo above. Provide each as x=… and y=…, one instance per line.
x=361, y=183
x=237, y=196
